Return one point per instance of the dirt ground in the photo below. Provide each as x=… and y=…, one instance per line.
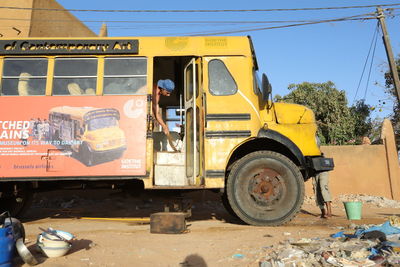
x=110, y=231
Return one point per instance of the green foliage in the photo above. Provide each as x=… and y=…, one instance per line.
x=395, y=116
x=360, y=113
x=338, y=124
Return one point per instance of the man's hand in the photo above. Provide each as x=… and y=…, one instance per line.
x=166, y=130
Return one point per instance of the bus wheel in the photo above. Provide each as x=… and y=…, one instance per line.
x=227, y=206
x=265, y=188
x=86, y=155
x=15, y=198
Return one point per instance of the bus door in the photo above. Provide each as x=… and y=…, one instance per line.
x=193, y=131
x=228, y=111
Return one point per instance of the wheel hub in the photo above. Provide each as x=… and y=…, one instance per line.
x=266, y=187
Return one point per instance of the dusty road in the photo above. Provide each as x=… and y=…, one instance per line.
x=108, y=234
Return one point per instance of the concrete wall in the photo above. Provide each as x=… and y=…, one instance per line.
x=365, y=169
x=39, y=23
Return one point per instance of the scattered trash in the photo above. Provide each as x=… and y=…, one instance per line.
x=238, y=256
x=374, y=245
x=24, y=253
x=395, y=221
x=377, y=201
x=374, y=235
x=380, y=202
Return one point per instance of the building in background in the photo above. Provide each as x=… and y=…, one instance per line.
x=30, y=21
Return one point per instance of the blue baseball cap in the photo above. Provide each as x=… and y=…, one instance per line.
x=166, y=85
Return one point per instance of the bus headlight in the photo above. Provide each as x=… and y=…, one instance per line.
x=99, y=146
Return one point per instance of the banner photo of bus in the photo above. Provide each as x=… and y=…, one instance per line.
x=73, y=136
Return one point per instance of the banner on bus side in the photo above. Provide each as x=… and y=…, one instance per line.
x=72, y=136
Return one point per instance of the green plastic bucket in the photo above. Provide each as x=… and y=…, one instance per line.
x=353, y=210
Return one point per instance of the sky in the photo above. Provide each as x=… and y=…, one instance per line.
x=334, y=51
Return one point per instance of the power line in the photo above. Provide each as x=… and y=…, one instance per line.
x=372, y=61
x=187, y=22
x=170, y=21
x=354, y=18
x=199, y=10
x=366, y=61
x=362, y=17
x=206, y=33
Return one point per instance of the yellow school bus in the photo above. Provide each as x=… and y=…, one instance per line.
x=230, y=136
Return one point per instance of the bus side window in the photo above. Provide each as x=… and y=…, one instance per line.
x=75, y=76
x=24, y=76
x=125, y=76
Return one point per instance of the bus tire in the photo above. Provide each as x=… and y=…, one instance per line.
x=265, y=188
x=227, y=205
x=18, y=198
x=86, y=155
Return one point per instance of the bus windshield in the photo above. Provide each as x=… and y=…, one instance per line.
x=101, y=123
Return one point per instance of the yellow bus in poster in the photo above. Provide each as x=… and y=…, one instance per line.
x=92, y=133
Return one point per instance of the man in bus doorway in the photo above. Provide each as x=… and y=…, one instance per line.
x=165, y=88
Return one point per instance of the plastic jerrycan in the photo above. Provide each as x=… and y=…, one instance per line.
x=7, y=242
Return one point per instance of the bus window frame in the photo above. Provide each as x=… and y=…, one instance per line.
x=16, y=58
x=104, y=75
x=87, y=57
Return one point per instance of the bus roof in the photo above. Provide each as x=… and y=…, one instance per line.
x=145, y=46
x=81, y=113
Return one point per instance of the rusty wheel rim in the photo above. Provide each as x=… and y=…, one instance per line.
x=266, y=187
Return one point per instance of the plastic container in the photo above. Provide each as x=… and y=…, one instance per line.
x=17, y=227
x=353, y=210
x=53, y=245
x=52, y=252
x=7, y=246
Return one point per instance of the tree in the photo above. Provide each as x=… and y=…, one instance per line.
x=338, y=124
x=395, y=116
x=360, y=112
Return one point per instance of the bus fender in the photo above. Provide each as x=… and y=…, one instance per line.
x=286, y=142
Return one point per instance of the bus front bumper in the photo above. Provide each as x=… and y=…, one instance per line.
x=319, y=164
x=108, y=155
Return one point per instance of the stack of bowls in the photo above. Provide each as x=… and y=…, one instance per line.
x=54, y=243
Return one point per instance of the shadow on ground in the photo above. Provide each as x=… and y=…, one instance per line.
x=120, y=204
x=109, y=204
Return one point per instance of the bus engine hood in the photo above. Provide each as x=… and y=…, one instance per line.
x=106, y=138
x=287, y=113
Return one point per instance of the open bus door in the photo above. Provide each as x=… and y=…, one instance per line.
x=193, y=121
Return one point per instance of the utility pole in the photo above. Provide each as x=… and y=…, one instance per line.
x=389, y=52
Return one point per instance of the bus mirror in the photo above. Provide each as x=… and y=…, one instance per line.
x=265, y=87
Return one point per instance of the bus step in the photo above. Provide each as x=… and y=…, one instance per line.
x=170, y=175
x=170, y=158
